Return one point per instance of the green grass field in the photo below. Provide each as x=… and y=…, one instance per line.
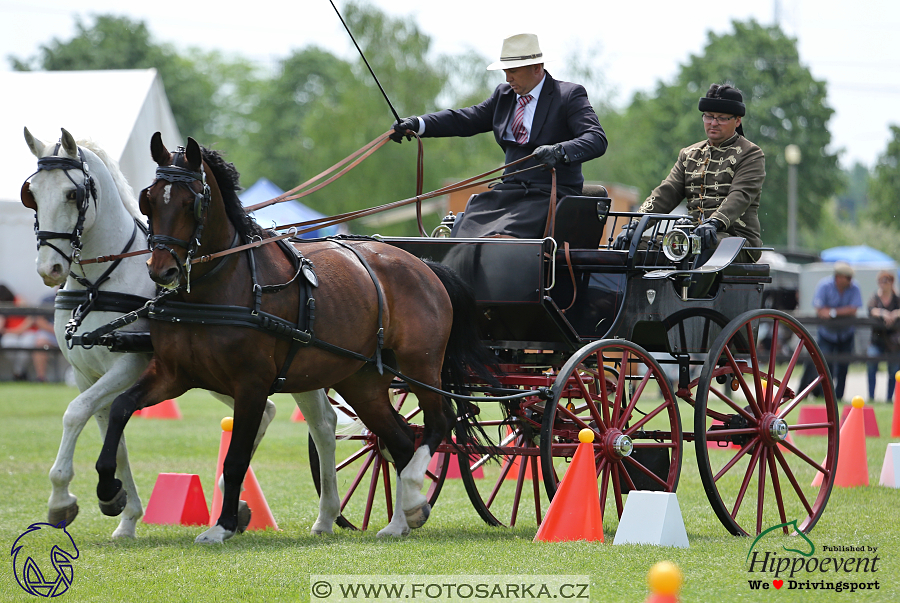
x=163, y=563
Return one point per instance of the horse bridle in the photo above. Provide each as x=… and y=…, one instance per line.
x=83, y=192
x=174, y=174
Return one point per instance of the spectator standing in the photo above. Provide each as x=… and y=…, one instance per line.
x=884, y=306
x=836, y=297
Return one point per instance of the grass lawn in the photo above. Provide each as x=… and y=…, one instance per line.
x=163, y=563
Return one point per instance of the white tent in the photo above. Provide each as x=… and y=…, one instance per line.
x=119, y=109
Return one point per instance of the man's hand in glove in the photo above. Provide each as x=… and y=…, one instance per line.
x=550, y=155
x=708, y=232
x=400, y=128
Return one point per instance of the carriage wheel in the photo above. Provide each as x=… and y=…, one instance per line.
x=632, y=412
x=506, y=489
x=366, y=475
x=756, y=459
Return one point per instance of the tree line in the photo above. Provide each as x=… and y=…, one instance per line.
x=315, y=108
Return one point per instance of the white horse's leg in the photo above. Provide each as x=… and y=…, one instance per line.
x=398, y=526
x=62, y=504
x=134, y=509
x=415, y=505
x=322, y=421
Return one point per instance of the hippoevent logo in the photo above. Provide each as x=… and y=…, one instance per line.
x=838, y=568
x=42, y=559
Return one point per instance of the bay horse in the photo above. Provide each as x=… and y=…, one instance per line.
x=376, y=307
x=84, y=206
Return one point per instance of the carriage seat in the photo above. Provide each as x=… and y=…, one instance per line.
x=580, y=219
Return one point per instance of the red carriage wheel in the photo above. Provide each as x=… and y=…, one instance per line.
x=756, y=457
x=366, y=475
x=506, y=490
x=632, y=412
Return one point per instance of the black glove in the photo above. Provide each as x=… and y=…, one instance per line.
x=623, y=241
x=550, y=155
x=400, y=128
x=708, y=232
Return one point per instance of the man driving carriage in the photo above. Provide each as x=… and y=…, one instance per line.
x=720, y=177
x=532, y=113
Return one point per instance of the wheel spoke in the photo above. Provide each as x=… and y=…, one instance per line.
x=740, y=453
x=617, y=488
x=643, y=420
x=804, y=456
x=744, y=484
x=646, y=472
x=738, y=374
x=776, y=487
x=791, y=478
x=604, y=483
x=602, y=420
x=761, y=491
x=635, y=397
x=358, y=479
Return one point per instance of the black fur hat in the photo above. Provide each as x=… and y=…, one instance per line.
x=723, y=99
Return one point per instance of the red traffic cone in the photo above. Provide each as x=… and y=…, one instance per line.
x=664, y=579
x=177, y=499
x=261, y=517
x=167, y=409
x=852, y=464
x=895, y=424
x=574, y=512
x=297, y=416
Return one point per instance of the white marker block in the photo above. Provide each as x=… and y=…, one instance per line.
x=652, y=518
x=890, y=470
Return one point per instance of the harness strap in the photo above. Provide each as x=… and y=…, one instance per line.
x=571, y=274
x=380, y=332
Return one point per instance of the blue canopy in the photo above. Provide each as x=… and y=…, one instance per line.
x=287, y=212
x=856, y=254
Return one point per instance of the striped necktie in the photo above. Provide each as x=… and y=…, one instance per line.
x=518, y=126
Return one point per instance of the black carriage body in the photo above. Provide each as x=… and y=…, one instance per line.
x=525, y=289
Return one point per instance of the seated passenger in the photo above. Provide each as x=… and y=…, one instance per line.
x=531, y=113
x=720, y=177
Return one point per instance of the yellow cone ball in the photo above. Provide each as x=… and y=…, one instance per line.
x=586, y=436
x=227, y=424
x=664, y=578
x=857, y=402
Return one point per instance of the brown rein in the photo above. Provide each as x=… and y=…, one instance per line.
x=299, y=228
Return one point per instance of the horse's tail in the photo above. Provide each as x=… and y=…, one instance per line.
x=466, y=359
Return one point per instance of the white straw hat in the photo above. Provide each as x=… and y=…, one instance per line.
x=518, y=51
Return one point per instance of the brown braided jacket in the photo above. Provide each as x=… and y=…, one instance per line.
x=721, y=182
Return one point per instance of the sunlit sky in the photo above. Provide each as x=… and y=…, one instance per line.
x=853, y=46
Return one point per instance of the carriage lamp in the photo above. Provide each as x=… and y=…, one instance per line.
x=442, y=231
x=677, y=244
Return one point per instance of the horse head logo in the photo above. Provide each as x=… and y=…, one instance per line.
x=43, y=559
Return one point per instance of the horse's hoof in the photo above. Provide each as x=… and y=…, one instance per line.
x=215, y=535
x=244, y=516
x=389, y=531
x=417, y=517
x=66, y=515
x=115, y=506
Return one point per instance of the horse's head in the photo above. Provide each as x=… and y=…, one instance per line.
x=60, y=193
x=176, y=205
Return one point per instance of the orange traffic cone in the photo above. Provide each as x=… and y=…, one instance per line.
x=167, y=409
x=664, y=579
x=574, y=513
x=895, y=425
x=177, y=499
x=261, y=514
x=297, y=416
x=852, y=465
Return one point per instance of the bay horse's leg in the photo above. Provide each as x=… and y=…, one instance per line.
x=249, y=408
x=151, y=388
x=412, y=476
x=244, y=511
x=134, y=509
x=322, y=421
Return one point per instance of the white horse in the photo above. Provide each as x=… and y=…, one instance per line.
x=85, y=208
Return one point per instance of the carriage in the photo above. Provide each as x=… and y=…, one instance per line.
x=631, y=344
x=627, y=343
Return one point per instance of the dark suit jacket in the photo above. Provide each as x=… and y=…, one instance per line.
x=563, y=115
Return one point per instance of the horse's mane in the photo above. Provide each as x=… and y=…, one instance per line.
x=228, y=180
x=126, y=193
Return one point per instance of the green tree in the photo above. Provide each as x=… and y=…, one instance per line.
x=120, y=43
x=785, y=105
x=884, y=187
